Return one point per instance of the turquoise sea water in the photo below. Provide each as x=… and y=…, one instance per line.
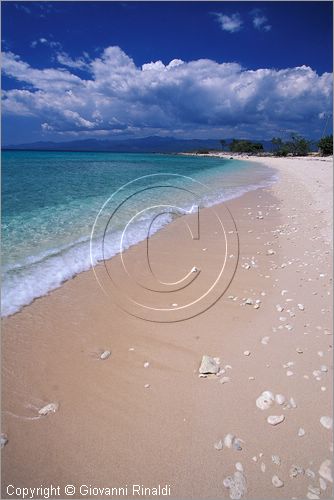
x=50, y=201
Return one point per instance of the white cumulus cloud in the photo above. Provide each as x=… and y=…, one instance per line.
x=260, y=22
x=190, y=98
x=230, y=23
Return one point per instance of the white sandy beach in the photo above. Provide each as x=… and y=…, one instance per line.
x=121, y=421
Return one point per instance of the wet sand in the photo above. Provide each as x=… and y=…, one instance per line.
x=120, y=423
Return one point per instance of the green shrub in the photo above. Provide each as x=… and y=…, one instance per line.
x=297, y=146
x=243, y=146
x=326, y=145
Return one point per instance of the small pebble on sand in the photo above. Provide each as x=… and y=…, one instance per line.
x=225, y=380
x=3, y=440
x=105, y=355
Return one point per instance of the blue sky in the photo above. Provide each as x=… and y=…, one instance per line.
x=188, y=69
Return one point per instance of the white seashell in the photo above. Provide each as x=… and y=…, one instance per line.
x=322, y=483
x=314, y=489
x=301, y=432
x=327, y=422
x=263, y=467
x=280, y=399
x=49, y=408
x=249, y=302
x=279, y=308
x=289, y=373
x=265, y=400
x=105, y=355
x=301, y=307
x=325, y=470
x=292, y=403
x=275, y=419
x=265, y=340
x=277, y=482
x=276, y=459
x=228, y=440
x=146, y=364
x=219, y=445
x=236, y=484
x=312, y=496
x=247, y=353
x=296, y=470
x=323, y=368
x=239, y=467
x=310, y=473
x=209, y=365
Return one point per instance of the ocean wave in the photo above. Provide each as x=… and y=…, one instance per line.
x=37, y=275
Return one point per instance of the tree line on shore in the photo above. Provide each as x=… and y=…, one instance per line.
x=295, y=146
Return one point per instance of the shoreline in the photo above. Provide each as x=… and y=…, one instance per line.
x=72, y=274
x=108, y=424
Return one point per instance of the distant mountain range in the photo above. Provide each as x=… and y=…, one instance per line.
x=152, y=144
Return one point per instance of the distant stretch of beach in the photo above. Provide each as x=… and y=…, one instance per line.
x=128, y=406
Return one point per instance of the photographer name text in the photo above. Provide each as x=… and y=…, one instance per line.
x=88, y=490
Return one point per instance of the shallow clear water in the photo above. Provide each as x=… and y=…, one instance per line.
x=50, y=201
